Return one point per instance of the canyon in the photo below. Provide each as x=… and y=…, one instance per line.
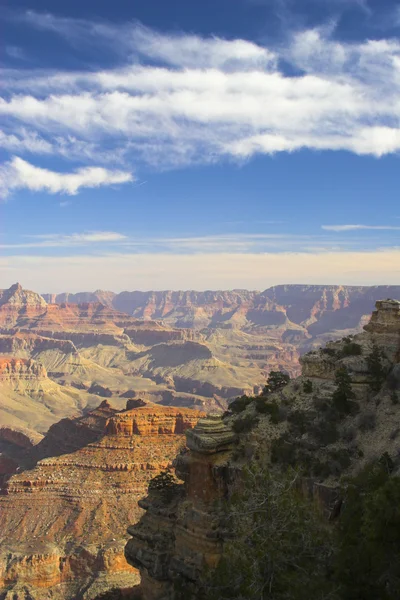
x=289, y=426
x=97, y=393
x=64, y=509
x=193, y=349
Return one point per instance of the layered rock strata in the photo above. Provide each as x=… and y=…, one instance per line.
x=62, y=523
x=178, y=539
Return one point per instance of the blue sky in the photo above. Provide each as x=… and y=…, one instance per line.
x=215, y=144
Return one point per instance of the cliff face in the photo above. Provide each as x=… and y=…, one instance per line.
x=317, y=309
x=63, y=521
x=16, y=302
x=180, y=533
x=20, y=369
x=299, y=424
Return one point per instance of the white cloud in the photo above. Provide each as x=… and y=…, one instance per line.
x=180, y=99
x=19, y=174
x=236, y=243
x=200, y=271
x=24, y=141
x=358, y=227
x=177, y=49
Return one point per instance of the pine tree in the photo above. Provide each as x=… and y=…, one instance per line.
x=276, y=380
x=375, y=368
x=343, y=394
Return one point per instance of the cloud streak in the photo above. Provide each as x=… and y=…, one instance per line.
x=179, y=99
x=19, y=174
x=360, y=227
x=58, y=240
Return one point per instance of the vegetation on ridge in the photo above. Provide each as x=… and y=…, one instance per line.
x=281, y=548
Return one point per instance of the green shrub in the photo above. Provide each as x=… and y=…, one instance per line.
x=165, y=485
x=307, y=386
x=244, y=424
x=349, y=434
x=329, y=351
x=351, y=349
x=366, y=562
x=324, y=432
x=283, y=451
x=367, y=421
x=394, y=397
x=270, y=408
x=342, y=456
x=278, y=547
x=239, y=405
x=276, y=381
x=393, y=380
x=298, y=422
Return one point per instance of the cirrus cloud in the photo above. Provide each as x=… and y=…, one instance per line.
x=179, y=98
x=19, y=174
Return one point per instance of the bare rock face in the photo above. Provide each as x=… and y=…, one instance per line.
x=23, y=438
x=179, y=535
x=20, y=369
x=62, y=522
x=16, y=302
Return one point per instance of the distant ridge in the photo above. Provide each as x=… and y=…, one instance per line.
x=302, y=304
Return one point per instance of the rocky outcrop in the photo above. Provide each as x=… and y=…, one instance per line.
x=63, y=521
x=182, y=533
x=22, y=438
x=105, y=298
x=20, y=369
x=316, y=308
x=13, y=341
x=176, y=538
x=150, y=337
x=17, y=302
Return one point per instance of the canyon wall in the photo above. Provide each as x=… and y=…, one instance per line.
x=63, y=521
x=182, y=533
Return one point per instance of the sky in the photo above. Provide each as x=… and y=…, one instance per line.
x=221, y=144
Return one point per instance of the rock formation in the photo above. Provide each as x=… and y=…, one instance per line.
x=63, y=521
x=175, y=538
x=195, y=349
x=306, y=423
x=316, y=308
x=20, y=369
x=18, y=303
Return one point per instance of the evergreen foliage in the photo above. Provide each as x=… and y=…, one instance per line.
x=351, y=349
x=276, y=381
x=270, y=408
x=244, y=424
x=280, y=549
x=376, y=369
x=367, y=561
x=239, y=404
x=164, y=484
x=307, y=386
x=343, y=395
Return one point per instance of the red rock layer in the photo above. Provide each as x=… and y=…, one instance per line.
x=20, y=368
x=69, y=513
